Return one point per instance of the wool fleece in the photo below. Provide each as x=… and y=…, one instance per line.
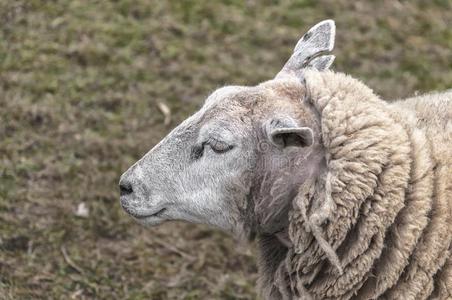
x=377, y=224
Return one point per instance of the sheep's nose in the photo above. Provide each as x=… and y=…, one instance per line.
x=125, y=188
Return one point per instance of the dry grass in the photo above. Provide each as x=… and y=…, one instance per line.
x=80, y=87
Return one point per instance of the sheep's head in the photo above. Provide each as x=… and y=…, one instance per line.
x=236, y=163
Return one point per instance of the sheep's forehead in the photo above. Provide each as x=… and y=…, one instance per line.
x=270, y=95
x=229, y=97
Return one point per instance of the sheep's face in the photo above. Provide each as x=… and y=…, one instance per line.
x=235, y=164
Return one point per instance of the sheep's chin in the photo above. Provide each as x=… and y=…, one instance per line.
x=150, y=221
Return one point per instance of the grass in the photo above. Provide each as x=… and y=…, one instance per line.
x=79, y=86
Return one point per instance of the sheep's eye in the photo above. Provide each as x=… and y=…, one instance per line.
x=216, y=146
x=219, y=147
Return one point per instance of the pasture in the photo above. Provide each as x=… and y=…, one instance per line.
x=82, y=86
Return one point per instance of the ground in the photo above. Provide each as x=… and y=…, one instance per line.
x=80, y=87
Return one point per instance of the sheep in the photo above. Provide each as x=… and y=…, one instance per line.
x=346, y=195
x=384, y=204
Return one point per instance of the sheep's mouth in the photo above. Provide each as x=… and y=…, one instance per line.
x=156, y=214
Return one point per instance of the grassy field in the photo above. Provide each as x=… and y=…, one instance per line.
x=80, y=83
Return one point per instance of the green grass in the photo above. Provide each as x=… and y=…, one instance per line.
x=79, y=87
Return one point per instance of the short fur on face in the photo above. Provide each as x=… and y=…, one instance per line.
x=221, y=166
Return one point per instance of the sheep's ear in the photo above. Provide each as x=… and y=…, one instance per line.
x=285, y=133
x=321, y=63
x=310, y=49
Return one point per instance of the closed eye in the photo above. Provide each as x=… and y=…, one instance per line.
x=219, y=146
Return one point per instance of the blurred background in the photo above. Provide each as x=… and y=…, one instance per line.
x=84, y=90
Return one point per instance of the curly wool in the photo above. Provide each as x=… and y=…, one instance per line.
x=378, y=222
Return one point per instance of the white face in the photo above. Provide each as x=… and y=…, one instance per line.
x=198, y=171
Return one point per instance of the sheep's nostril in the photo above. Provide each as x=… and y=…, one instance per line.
x=125, y=188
